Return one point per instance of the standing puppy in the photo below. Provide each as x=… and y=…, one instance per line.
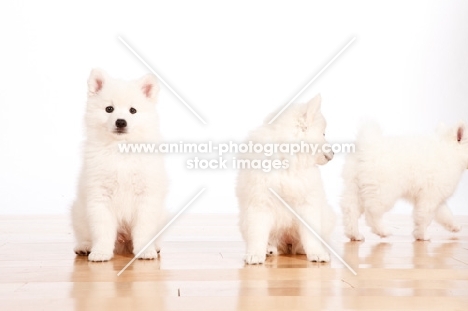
x=423, y=170
x=119, y=194
x=267, y=226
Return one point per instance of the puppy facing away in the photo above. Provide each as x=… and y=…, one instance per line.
x=423, y=170
x=120, y=195
x=267, y=226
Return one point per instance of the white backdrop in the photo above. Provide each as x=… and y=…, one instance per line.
x=234, y=63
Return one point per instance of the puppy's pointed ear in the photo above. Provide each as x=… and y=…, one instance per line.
x=149, y=86
x=313, y=106
x=461, y=132
x=96, y=81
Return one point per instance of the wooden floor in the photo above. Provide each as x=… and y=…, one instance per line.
x=201, y=268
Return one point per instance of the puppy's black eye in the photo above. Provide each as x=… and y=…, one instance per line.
x=132, y=110
x=323, y=134
x=109, y=109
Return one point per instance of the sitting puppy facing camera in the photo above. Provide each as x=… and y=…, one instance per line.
x=120, y=195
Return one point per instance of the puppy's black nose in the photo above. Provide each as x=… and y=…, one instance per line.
x=121, y=123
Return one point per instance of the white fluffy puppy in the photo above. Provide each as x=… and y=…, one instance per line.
x=119, y=194
x=423, y=170
x=269, y=227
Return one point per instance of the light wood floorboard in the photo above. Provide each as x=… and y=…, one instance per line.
x=201, y=268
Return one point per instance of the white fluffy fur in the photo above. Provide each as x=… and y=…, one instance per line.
x=119, y=195
x=266, y=225
x=423, y=170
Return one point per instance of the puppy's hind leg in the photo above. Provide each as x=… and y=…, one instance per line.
x=374, y=208
x=81, y=230
x=423, y=213
x=352, y=211
x=444, y=217
x=257, y=226
x=272, y=249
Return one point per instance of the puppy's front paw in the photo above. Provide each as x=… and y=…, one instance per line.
x=82, y=249
x=355, y=236
x=455, y=228
x=321, y=257
x=421, y=235
x=254, y=259
x=149, y=254
x=100, y=256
